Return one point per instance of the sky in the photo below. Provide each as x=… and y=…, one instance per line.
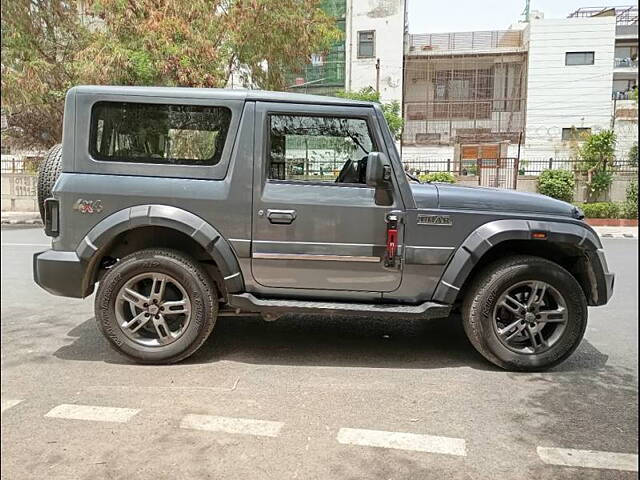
x=433, y=16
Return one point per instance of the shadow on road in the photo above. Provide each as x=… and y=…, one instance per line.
x=307, y=340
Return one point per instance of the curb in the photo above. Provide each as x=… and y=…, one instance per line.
x=617, y=235
x=12, y=221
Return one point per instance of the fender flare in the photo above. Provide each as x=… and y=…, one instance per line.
x=493, y=233
x=211, y=240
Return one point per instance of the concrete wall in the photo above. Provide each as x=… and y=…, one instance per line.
x=529, y=183
x=19, y=192
x=564, y=96
x=387, y=19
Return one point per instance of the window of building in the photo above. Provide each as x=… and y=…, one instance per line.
x=579, y=58
x=318, y=149
x=162, y=134
x=627, y=52
x=463, y=93
x=366, y=44
x=575, y=134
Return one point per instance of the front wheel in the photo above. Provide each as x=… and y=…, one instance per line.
x=156, y=306
x=525, y=313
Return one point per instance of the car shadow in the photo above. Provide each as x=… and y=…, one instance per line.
x=311, y=340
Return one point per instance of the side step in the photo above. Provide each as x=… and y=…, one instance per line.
x=275, y=308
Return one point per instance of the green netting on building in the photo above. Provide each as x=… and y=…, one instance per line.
x=325, y=73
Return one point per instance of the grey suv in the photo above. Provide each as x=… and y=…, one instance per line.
x=185, y=203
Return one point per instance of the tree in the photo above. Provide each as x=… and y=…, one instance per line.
x=391, y=110
x=633, y=155
x=196, y=43
x=40, y=39
x=597, y=154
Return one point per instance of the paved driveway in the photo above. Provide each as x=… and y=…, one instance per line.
x=309, y=398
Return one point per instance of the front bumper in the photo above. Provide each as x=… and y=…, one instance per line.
x=604, y=279
x=60, y=273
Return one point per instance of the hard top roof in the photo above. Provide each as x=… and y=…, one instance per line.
x=217, y=93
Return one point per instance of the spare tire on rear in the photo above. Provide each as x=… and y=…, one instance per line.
x=48, y=173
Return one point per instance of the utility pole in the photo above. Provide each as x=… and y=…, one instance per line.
x=613, y=117
x=526, y=10
x=378, y=75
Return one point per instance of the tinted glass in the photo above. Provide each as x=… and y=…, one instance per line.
x=163, y=134
x=319, y=149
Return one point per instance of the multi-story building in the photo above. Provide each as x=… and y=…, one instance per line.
x=526, y=92
x=370, y=53
x=464, y=95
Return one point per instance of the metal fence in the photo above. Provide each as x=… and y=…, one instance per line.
x=16, y=164
x=524, y=166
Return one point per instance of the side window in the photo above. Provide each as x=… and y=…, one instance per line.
x=579, y=58
x=366, y=44
x=318, y=149
x=161, y=134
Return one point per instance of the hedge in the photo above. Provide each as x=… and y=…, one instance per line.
x=558, y=184
x=607, y=210
x=443, y=177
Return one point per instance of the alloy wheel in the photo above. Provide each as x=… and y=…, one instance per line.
x=530, y=317
x=153, y=309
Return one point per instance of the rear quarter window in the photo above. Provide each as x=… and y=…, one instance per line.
x=158, y=133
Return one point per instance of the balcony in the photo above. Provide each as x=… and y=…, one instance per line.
x=625, y=64
x=465, y=42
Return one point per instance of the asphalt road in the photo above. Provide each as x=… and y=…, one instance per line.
x=309, y=398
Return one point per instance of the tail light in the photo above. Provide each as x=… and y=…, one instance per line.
x=51, y=217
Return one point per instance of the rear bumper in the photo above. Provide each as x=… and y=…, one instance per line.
x=60, y=273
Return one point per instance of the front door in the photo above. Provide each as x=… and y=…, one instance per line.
x=316, y=224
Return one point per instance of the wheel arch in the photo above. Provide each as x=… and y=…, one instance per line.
x=566, y=244
x=147, y=223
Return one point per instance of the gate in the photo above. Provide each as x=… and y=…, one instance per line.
x=498, y=172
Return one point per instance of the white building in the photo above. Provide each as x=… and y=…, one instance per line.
x=528, y=91
x=374, y=41
x=370, y=53
x=569, y=81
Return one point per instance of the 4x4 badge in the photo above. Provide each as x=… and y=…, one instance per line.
x=88, y=206
x=442, y=220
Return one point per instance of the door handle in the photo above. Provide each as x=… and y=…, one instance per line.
x=283, y=217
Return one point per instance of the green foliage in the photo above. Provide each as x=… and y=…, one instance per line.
x=601, y=210
x=391, y=110
x=597, y=161
x=600, y=182
x=441, y=177
x=50, y=45
x=632, y=156
x=558, y=184
x=630, y=206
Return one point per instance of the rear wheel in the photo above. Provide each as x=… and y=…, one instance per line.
x=156, y=306
x=525, y=313
x=48, y=173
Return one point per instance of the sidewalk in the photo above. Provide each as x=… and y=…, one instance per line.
x=21, y=218
x=33, y=218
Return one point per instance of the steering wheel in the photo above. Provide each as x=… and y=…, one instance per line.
x=348, y=165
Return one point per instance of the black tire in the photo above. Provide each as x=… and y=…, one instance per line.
x=197, y=285
x=480, y=302
x=48, y=173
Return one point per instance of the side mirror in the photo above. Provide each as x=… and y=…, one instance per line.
x=378, y=170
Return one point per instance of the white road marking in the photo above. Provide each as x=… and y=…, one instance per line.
x=402, y=441
x=26, y=244
x=92, y=413
x=589, y=459
x=7, y=403
x=246, y=426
